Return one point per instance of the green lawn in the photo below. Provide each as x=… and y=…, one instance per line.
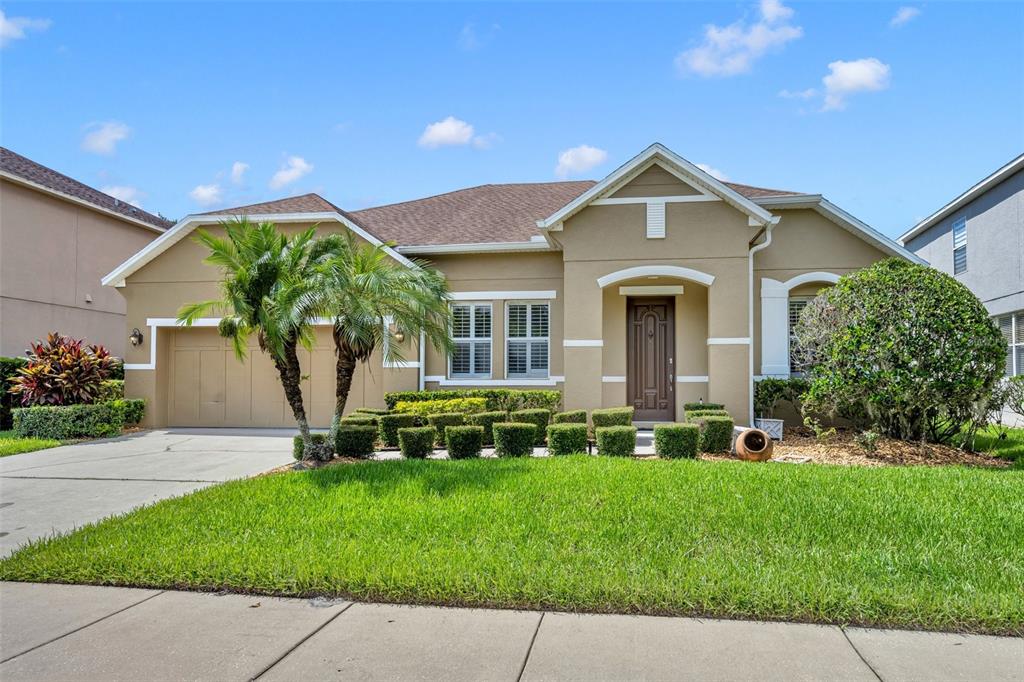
x=10, y=444
x=1011, y=447
x=913, y=547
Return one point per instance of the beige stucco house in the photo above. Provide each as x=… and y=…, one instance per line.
x=58, y=238
x=656, y=286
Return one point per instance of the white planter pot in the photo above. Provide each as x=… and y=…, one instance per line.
x=773, y=427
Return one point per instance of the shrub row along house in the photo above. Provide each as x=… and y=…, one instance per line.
x=657, y=286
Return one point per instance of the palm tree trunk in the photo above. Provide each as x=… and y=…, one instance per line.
x=345, y=370
x=290, y=371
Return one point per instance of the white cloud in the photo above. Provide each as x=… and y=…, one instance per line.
x=904, y=15
x=102, y=138
x=798, y=94
x=129, y=195
x=294, y=168
x=207, y=195
x=733, y=49
x=579, y=160
x=713, y=172
x=17, y=28
x=487, y=141
x=450, y=131
x=847, y=78
x=238, y=172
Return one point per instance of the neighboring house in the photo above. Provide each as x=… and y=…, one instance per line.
x=979, y=239
x=656, y=286
x=58, y=237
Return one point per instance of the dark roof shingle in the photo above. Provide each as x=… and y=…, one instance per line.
x=27, y=169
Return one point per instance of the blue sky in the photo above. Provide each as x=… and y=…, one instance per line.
x=888, y=109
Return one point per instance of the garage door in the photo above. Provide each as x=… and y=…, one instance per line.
x=209, y=386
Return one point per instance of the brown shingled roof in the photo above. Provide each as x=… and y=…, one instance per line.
x=304, y=203
x=29, y=170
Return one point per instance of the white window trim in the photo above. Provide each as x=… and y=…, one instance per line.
x=1016, y=332
x=775, y=319
x=789, y=333
x=527, y=338
x=473, y=340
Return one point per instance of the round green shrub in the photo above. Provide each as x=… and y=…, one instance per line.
x=538, y=417
x=388, y=426
x=298, y=446
x=612, y=416
x=616, y=441
x=513, y=439
x=571, y=417
x=674, y=441
x=360, y=420
x=567, y=438
x=715, y=433
x=702, y=406
x=357, y=440
x=416, y=442
x=443, y=420
x=464, y=441
x=487, y=420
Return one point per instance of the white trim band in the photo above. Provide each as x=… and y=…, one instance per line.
x=444, y=381
x=692, y=379
x=545, y=295
x=613, y=380
x=656, y=271
x=582, y=343
x=729, y=341
x=402, y=365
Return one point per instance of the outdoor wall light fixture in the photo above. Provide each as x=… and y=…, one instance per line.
x=135, y=338
x=399, y=336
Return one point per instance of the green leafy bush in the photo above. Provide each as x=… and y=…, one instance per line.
x=770, y=391
x=498, y=399
x=487, y=420
x=132, y=410
x=693, y=414
x=612, y=416
x=416, y=442
x=513, y=439
x=570, y=417
x=1014, y=397
x=464, y=441
x=360, y=420
x=63, y=371
x=372, y=410
x=8, y=370
x=616, y=441
x=298, y=446
x=674, y=441
x=357, y=440
x=111, y=389
x=567, y=438
x=702, y=406
x=442, y=421
x=389, y=424
x=715, y=433
x=538, y=418
x=902, y=347
x=65, y=422
x=425, y=408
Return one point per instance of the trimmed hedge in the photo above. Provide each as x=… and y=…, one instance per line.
x=416, y=442
x=538, y=418
x=715, y=433
x=360, y=420
x=487, y=420
x=425, y=408
x=389, y=424
x=8, y=370
x=702, y=406
x=371, y=410
x=442, y=421
x=693, y=414
x=567, y=438
x=299, y=447
x=64, y=422
x=132, y=410
x=676, y=440
x=356, y=440
x=498, y=399
x=612, y=416
x=464, y=441
x=513, y=439
x=111, y=389
x=616, y=441
x=570, y=417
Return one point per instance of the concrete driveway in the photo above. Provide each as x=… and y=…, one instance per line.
x=57, y=490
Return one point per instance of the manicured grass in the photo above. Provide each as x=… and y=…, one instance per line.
x=912, y=547
x=10, y=444
x=1011, y=447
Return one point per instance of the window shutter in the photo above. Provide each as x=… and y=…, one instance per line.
x=655, y=219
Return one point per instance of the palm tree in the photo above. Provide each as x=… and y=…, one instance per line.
x=366, y=291
x=270, y=288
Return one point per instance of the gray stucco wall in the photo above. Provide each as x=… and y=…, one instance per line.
x=995, y=246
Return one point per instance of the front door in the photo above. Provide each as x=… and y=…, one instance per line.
x=650, y=355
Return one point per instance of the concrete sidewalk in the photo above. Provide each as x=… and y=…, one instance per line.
x=104, y=633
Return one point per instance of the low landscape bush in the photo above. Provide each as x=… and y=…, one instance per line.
x=442, y=421
x=715, y=433
x=567, y=438
x=65, y=422
x=299, y=447
x=356, y=440
x=8, y=370
x=513, y=439
x=63, y=371
x=372, y=410
x=425, y=408
x=616, y=441
x=612, y=416
x=570, y=417
x=538, y=417
x=487, y=420
x=771, y=391
x=416, y=442
x=674, y=441
x=464, y=441
x=498, y=399
x=132, y=410
x=111, y=389
x=702, y=406
x=389, y=424
x=360, y=419
x=693, y=414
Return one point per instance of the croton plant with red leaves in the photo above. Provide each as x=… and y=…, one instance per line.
x=63, y=371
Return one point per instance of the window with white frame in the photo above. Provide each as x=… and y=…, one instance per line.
x=796, y=306
x=471, y=332
x=1012, y=327
x=959, y=246
x=528, y=330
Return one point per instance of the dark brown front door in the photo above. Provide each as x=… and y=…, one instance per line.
x=650, y=349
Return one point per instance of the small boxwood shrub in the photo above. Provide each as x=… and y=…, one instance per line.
x=416, y=442
x=567, y=438
x=702, y=406
x=371, y=410
x=612, y=416
x=616, y=441
x=428, y=407
x=64, y=422
x=538, y=418
x=693, y=414
x=442, y=421
x=513, y=439
x=355, y=440
x=132, y=410
x=676, y=440
x=571, y=417
x=299, y=447
x=715, y=433
x=464, y=441
x=388, y=426
x=360, y=420
x=497, y=399
x=487, y=420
